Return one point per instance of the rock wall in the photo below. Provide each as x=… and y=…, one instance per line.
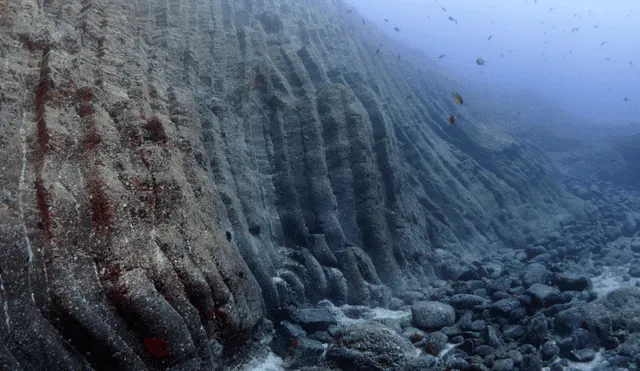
x=174, y=170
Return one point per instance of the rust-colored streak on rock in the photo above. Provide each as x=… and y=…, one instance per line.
x=83, y=97
x=84, y=94
x=101, y=209
x=157, y=347
x=42, y=199
x=91, y=142
x=42, y=96
x=85, y=110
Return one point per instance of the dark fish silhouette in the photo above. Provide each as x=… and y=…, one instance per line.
x=397, y=29
x=441, y=56
x=453, y=19
x=452, y=120
x=386, y=20
x=490, y=36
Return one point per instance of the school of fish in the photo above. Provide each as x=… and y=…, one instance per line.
x=481, y=62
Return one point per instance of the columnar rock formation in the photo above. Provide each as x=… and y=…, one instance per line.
x=172, y=171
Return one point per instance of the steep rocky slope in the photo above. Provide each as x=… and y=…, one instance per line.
x=174, y=170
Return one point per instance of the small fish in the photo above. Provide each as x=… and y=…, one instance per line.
x=480, y=62
x=441, y=56
x=626, y=99
x=443, y=8
x=349, y=10
x=509, y=51
x=456, y=97
x=595, y=26
x=608, y=58
x=386, y=20
x=377, y=51
x=490, y=36
x=550, y=9
x=453, y=19
x=602, y=43
x=397, y=29
x=452, y=120
x=408, y=97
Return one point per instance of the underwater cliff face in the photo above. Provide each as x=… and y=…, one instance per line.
x=172, y=170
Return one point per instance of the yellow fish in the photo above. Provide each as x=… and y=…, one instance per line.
x=456, y=97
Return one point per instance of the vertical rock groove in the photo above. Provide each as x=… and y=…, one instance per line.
x=181, y=169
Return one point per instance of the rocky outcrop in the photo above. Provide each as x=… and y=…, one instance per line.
x=172, y=170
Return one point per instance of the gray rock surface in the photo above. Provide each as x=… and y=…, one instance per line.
x=363, y=347
x=432, y=315
x=171, y=171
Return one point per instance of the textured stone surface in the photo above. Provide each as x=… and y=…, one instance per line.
x=170, y=169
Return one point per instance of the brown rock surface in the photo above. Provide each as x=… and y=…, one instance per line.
x=171, y=168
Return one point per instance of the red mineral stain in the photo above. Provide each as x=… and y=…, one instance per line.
x=85, y=110
x=91, y=142
x=101, y=208
x=42, y=198
x=42, y=96
x=84, y=94
x=157, y=347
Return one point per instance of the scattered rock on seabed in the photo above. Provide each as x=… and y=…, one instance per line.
x=572, y=302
